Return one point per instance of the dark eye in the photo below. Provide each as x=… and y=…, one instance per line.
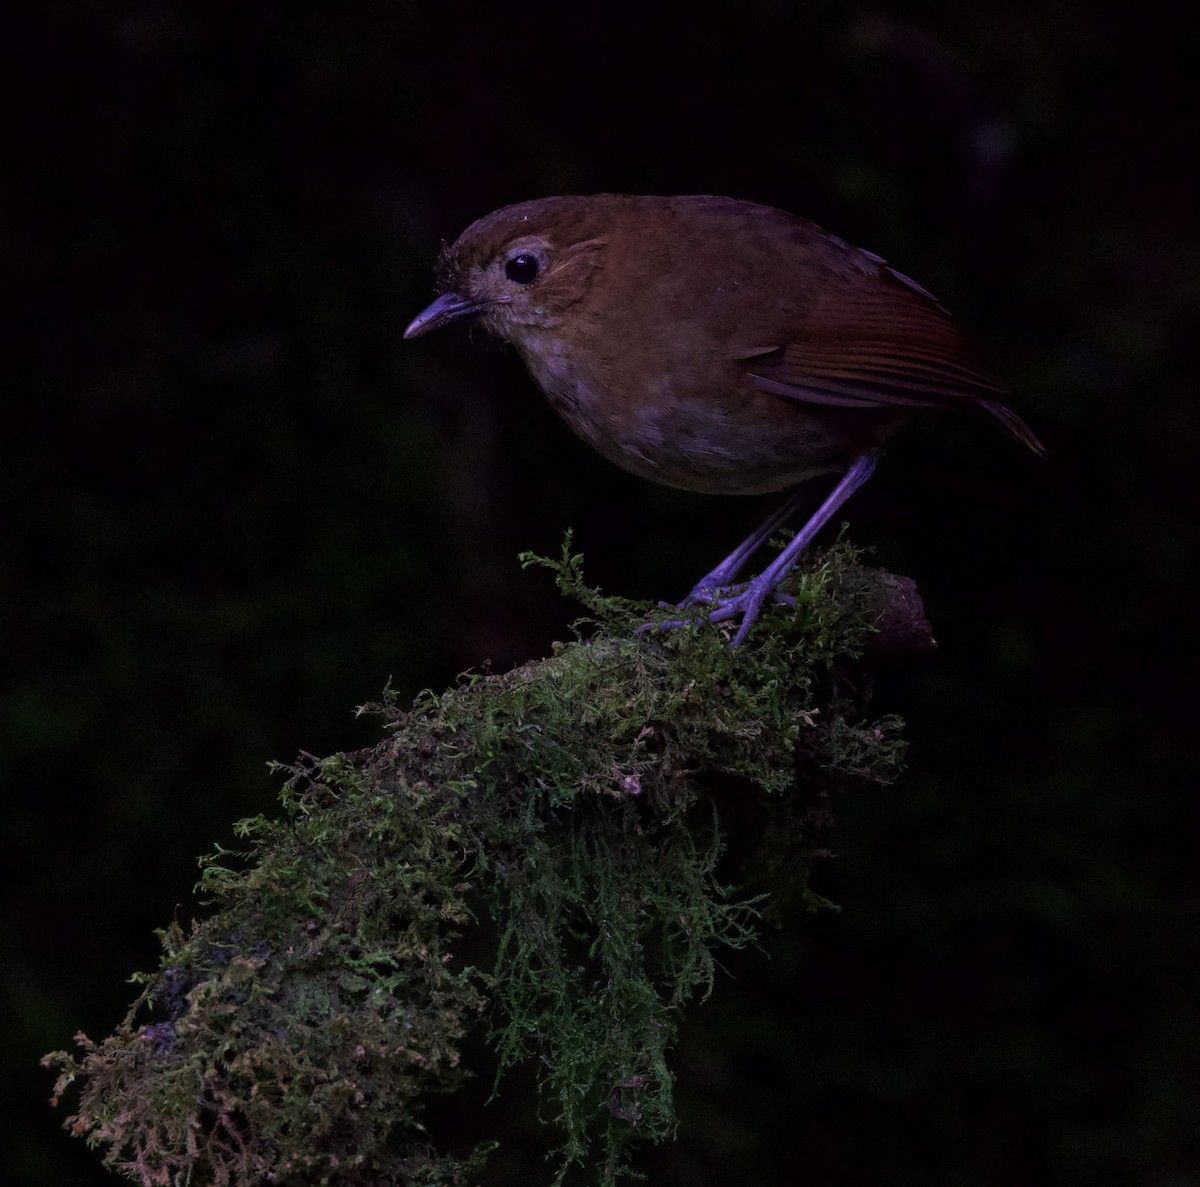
x=522, y=269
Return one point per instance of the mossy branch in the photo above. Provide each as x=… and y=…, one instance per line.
x=570, y=810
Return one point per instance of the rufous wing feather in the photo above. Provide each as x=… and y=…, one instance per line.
x=880, y=345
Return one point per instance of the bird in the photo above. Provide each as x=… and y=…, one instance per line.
x=715, y=345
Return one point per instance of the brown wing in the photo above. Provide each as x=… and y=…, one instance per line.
x=885, y=344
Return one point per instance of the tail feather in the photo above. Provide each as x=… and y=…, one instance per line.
x=1014, y=425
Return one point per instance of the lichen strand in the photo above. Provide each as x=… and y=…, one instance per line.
x=576, y=804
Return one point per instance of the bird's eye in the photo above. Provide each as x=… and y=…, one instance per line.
x=522, y=268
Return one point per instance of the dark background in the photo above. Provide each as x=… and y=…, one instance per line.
x=233, y=504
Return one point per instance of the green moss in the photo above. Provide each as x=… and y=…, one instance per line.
x=576, y=804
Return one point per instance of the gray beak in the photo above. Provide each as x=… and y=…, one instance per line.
x=447, y=308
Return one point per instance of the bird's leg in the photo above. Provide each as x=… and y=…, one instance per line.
x=709, y=587
x=749, y=601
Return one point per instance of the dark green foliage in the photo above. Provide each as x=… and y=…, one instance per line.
x=297, y=1029
x=573, y=805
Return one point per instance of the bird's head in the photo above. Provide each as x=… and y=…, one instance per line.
x=519, y=270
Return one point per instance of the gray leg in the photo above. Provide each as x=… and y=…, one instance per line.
x=709, y=586
x=749, y=601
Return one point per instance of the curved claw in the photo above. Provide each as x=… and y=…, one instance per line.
x=746, y=599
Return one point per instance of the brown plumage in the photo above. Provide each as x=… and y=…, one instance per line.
x=714, y=345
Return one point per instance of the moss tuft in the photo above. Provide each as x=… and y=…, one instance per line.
x=576, y=804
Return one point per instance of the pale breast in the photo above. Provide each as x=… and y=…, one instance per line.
x=749, y=443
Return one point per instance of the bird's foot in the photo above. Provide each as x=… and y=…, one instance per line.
x=705, y=594
x=746, y=600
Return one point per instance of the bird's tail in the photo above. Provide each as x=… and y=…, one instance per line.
x=1014, y=425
